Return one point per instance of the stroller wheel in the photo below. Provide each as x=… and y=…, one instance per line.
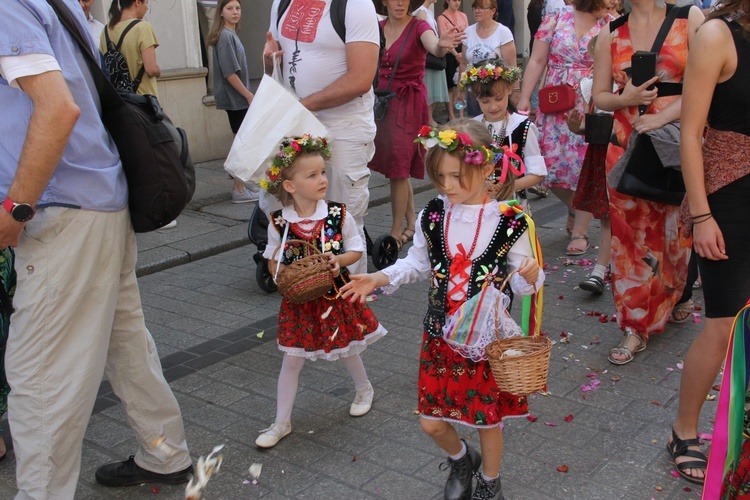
x=264, y=278
x=384, y=251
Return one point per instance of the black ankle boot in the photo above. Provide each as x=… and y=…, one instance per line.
x=458, y=486
x=488, y=490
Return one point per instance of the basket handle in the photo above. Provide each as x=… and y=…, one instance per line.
x=285, y=243
x=498, y=304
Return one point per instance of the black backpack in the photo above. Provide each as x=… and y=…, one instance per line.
x=117, y=66
x=338, y=19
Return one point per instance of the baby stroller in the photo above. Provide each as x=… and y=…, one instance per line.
x=384, y=251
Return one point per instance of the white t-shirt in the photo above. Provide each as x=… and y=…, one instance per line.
x=14, y=67
x=315, y=56
x=430, y=17
x=477, y=49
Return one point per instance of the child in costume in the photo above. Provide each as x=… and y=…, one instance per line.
x=464, y=242
x=492, y=84
x=328, y=327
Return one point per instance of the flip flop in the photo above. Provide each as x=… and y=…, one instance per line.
x=573, y=251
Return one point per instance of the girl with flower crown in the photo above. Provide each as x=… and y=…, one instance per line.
x=328, y=327
x=492, y=83
x=465, y=243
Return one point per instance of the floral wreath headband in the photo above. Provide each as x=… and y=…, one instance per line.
x=452, y=140
x=489, y=73
x=289, y=149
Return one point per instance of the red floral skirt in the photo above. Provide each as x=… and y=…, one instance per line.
x=591, y=193
x=304, y=332
x=457, y=389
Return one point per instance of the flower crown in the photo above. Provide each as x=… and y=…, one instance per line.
x=489, y=73
x=289, y=149
x=451, y=140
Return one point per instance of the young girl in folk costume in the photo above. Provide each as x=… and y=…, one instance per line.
x=492, y=84
x=464, y=242
x=328, y=327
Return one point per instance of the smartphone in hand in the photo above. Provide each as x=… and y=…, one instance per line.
x=643, y=68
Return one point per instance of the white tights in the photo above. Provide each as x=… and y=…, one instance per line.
x=291, y=367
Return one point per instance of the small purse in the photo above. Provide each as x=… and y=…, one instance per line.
x=435, y=62
x=598, y=126
x=382, y=97
x=556, y=99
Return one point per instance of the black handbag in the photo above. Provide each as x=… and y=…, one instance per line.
x=599, y=127
x=646, y=177
x=382, y=97
x=435, y=62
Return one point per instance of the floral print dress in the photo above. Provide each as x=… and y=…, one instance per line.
x=311, y=330
x=649, y=252
x=569, y=62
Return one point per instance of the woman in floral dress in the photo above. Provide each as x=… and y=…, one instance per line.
x=649, y=253
x=561, y=47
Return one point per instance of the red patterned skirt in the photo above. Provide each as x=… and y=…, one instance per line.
x=591, y=193
x=304, y=332
x=457, y=389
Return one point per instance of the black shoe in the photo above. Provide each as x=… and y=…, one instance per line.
x=593, y=284
x=488, y=490
x=458, y=485
x=128, y=473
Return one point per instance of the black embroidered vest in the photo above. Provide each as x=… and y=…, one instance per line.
x=518, y=137
x=491, y=266
x=332, y=230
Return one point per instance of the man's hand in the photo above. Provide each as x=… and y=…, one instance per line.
x=10, y=230
x=270, y=50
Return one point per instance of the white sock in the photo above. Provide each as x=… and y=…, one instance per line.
x=356, y=369
x=488, y=479
x=599, y=270
x=291, y=367
x=460, y=454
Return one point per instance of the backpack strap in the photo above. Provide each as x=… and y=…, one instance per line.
x=337, y=13
x=142, y=70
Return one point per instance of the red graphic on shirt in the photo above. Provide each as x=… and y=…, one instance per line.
x=302, y=19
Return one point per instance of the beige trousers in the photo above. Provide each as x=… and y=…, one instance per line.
x=78, y=316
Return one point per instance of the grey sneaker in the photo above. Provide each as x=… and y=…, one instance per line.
x=246, y=196
x=274, y=434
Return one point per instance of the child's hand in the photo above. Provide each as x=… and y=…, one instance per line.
x=529, y=270
x=362, y=285
x=335, y=267
x=575, y=120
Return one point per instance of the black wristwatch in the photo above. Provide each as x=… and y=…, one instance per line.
x=22, y=212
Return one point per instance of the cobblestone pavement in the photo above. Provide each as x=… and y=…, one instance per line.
x=215, y=331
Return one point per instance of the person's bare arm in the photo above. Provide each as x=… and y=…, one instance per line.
x=707, y=64
x=52, y=120
x=508, y=54
x=361, y=64
x=149, y=62
x=534, y=70
x=441, y=46
x=237, y=85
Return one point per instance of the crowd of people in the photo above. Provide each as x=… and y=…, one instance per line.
x=65, y=194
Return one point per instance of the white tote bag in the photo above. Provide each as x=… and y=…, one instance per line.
x=274, y=114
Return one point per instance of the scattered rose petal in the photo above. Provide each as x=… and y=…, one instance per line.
x=687, y=488
x=595, y=383
x=613, y=319
x=595, y=340
x=697, y=318
x=560, y=297
x=354, y=458
x=603, y=318
x=680, y=365
x=615, y=378
x=654, y=402
x=670, y=369
x=245, y=482
x=707, y=437
x=592, y=375
x=710, y=397
x=568, y=418
x=333, y=337
x=371, y=298
x=562, y=468
x=532, y=418
x=675, y=473
x=255, y=482
x=550, y=424
x=585, y=388
x=254, y=470
x=717, y=387
x=654, y=441
x=659, y=488
x=260, y=335
x=155, y=490
x=325, y=314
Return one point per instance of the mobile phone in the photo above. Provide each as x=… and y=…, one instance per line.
x=643, y=68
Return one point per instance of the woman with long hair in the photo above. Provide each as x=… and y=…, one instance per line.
x=434, y=79
x=231, y=77
x=717, y=178
x=649, y=254
x=561, y=47
x=451, y=18
x=397, y=156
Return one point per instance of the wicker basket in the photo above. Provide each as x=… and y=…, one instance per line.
x=305, y=279
x=521, y=374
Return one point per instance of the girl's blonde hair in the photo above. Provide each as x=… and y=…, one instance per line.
x=480, y=136
x=286, y=174
x=213, y=34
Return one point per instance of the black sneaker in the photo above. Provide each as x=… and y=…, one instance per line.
x=593, y=284
x=488, y=490
x=458, y=485
x=128, y=473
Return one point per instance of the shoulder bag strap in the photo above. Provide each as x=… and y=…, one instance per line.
x=665, y=27
x=447, y=19
x=401, y=51
x=108, y=96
